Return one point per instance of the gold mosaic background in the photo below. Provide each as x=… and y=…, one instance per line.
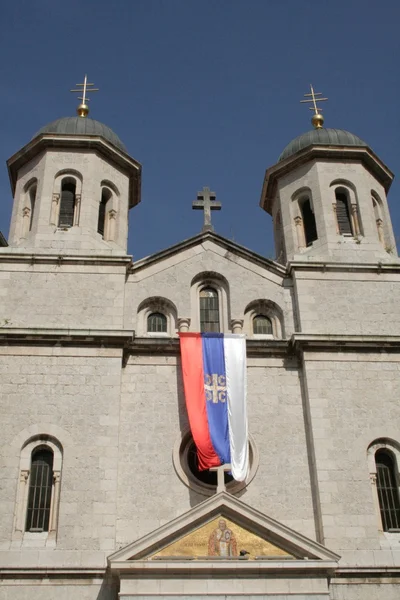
x=196, y=542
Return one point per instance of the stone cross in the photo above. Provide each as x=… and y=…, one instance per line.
x=221, y=476
x=206, y=201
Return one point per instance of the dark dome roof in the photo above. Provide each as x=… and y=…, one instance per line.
x=82, y=126
x=321, y=137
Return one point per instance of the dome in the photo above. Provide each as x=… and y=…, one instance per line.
x=321, y=137
x=82, y=126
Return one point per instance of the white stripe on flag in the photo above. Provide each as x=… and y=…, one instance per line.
x=236, y=375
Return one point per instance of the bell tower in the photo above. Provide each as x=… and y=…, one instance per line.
x=73, y=185
x=327, y=197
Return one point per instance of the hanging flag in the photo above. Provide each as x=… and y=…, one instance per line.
x=214, y=378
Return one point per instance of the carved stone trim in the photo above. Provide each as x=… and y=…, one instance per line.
x=301, y=240
x=54, y=209
x=237, y=325
x=183, y=324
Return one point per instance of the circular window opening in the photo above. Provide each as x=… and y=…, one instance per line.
x=209, y=477
x=187, y=468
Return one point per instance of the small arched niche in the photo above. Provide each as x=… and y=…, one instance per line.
x=29, y=206
x=107, y=220
x=263, y=319
x=156, y=317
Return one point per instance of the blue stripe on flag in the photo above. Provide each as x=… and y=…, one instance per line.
x=216, y=394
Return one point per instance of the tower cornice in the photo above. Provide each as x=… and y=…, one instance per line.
x=44, y=142
x=363, y=154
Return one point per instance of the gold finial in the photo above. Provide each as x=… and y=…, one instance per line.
x=85, y=88
x=317, y=119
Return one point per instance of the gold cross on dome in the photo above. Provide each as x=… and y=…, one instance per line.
x=84, y=89
x=317, y=119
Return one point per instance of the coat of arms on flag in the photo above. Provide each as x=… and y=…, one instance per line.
x=214, y=378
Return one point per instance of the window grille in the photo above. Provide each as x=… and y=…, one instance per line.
x=40, y=490
x=157, y=323
x=310, y=227
x=388, y=492
x=262, y=325
x=343, y=214
x=67, y=206
x=209, y=311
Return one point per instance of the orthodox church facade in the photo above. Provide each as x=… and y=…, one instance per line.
x=101, y=496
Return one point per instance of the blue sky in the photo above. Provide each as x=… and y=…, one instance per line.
x=202, y=92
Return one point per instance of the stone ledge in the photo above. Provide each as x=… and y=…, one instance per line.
x=56, y=572
x=193, y=568
x=303, y=341
x=345, y=267
x=10, y=335
x=37, y=257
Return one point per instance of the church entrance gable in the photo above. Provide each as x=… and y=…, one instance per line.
x=223, y=546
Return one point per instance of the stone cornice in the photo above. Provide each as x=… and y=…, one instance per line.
x=337, y=343
x=64, y=259
x=343, y=267
x=364, y=154
x=193, y=568
x=52, y=572
x=49, y=336
x=170, y=346
x=54, y=141
x=166, y=346
x=230, y=246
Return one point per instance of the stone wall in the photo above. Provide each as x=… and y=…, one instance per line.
x=358, y=303
x=353, y=400
x=74, y=395
x=86, y=296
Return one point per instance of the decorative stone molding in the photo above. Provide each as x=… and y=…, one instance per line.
x=180, y=459
x=184, y=324
x=237, y=325
x=77, y=211
x=54, y=209
x=301, y=240
x=355, y=219
x=334, y=206
x=381, y=235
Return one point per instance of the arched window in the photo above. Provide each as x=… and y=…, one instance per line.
x=262, y=325
x=40, y=490
x=157, y=323
x=376, y=204
x=209, y=310
x=388, y=489
x=67, y=205
x=101, y=223
x=32, y=200
x=309, y=225
x=345, y=225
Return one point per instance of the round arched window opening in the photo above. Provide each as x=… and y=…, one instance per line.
x=205, y=482
x=207, y=476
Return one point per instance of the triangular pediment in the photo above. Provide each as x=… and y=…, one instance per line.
x=208, y=241
x=220, y=528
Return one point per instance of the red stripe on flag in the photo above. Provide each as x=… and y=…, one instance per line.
x=193, y=382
